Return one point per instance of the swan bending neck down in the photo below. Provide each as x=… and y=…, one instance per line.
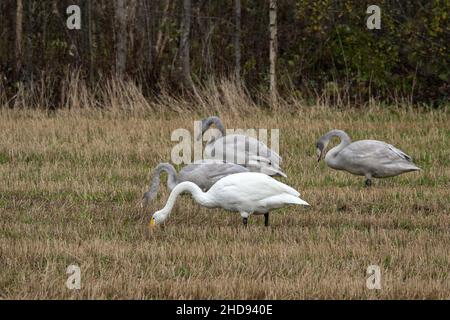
x=204, y=173
x=369, y=158
x=208, y=122
x=323, y=143
x=247, y=192
x=201, y=197
x=172, y=180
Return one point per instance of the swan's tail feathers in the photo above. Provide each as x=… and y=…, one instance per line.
x=302, y=202
x=295, y=200
x=270, y=171
x=281, y=200
x=412, y=167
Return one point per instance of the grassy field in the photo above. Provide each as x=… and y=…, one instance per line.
x=70, y=190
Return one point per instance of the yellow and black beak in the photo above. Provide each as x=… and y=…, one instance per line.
x=152, y=223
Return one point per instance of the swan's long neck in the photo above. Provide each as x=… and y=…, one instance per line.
x=203, y=198
x=210, y=121
x=171, y=178
x=345, y=141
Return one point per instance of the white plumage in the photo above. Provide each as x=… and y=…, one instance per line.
x=247, y=193
x=203, y=173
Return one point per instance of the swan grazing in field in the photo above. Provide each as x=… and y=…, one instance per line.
x=203, y=173
x=241, y=149
x=369, y=158
x=248, y=193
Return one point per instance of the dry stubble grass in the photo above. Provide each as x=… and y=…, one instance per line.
x=70, y=186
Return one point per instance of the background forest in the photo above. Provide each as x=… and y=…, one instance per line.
x=321, y=49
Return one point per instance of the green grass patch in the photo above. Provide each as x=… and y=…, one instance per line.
x=4, y=158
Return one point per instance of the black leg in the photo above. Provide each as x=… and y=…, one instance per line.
x=266, y=219
x=368, y=183
x=245, y=220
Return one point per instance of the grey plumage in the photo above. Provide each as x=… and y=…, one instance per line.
x=369, y=158
x=203, y=173
x=241, y=149
x=172, y=181
x=208, y=122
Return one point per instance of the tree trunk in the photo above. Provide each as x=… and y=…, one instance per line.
x=121, y=38
x=185, y=45
x=19, y=36
x=273, y=50
x=90, y=44
x=29, y=31
x=237, y=41
x=160, y=41
x=147, y=15
x=87, y=52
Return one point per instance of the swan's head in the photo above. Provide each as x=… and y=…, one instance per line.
x=158, y=218
x=320, y=147
x=322, y=143
x=204, y=126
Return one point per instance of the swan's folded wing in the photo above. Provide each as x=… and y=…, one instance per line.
x=245, y=147
x=399, y=153
x=373, y=150
x=253, y=187
x=219, y=171
x=208, y=172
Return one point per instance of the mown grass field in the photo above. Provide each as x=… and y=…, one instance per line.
x=70, y=190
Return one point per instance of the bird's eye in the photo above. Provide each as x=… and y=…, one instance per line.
x=270, y=163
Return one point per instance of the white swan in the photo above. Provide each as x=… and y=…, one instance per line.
x=247, y=193
x=203, y=173
x=241, y=149
x=369, y=158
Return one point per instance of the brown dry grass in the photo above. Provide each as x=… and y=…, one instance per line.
x=70, y=185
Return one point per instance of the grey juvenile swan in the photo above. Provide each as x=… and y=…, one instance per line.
x=203, y=173
x=241, y=149
x=369, y=158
